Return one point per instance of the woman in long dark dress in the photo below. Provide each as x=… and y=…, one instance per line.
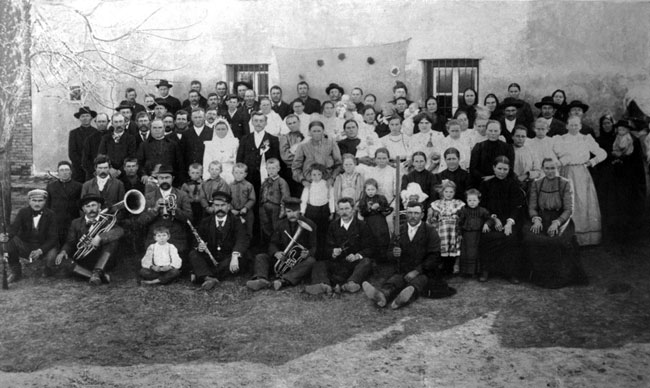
x=468, y=104
x=549, y=240
x=561, y=113
x=454, y=173
x=484, y=153
x=499, y=248
x=426, y=179
x=602, y=173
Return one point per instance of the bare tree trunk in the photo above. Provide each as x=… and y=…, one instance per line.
x=15, y=35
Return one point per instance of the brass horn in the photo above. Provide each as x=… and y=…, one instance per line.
x=292, y=253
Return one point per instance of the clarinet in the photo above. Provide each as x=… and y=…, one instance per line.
x=200, y=241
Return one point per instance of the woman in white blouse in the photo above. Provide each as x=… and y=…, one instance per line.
x=427, y=140
x=573, y=151
x=223, y=148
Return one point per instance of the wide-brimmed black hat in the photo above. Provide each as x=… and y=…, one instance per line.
x=91, y=198
x=164, y=82
x=85, y=109
x=236, y=85
x=221, y=196
x=548, y=100
x=334, y=86
x=124, y=104
x=166, y=170
x=509, y=101
x=625, y=123
x=578, y=104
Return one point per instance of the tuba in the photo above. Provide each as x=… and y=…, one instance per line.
x=291, y=254
x=133, y=202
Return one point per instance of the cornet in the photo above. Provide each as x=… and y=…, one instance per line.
x=170, y=206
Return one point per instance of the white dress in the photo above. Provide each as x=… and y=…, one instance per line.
x=429, y=143
x=223, y=150
x=462, y=145
x=542, y=148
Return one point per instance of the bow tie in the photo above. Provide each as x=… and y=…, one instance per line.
x=37, y=213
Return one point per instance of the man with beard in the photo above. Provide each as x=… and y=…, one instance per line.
x=76, y=140
x=118, y=145
x=280, y=107
x=126, y=110
x=225, y=238
x=509, y=120
x=63, y=198
x=130, y=96
x=311, y=105
x=160, y=150
x=91, y=145
x=548, y=108
x=287, y=228
x=32, y=235
x=93, y=266
x=238, y=120
x=211, y=115
x=144, y=129
x=189, y=104
x=335, y=92
x=173, y=103
x=250, y=105
x=158, y=211
x=103, y=184
x=416, y=256
x=348, y=250
x=168, y=125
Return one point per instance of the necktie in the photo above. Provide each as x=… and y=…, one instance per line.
x=37, y=213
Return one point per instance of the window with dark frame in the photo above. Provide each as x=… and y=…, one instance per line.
x=446, y=79
x=255, y=74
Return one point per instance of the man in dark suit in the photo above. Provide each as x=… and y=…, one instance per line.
x=130, y=96
x=160, y=150
x=548, y=108
x=280, y=107
x=144, y=129
x=126, y=110
x=348, y=250
x=91, y=145
x=221, y=89
x=416, y=255
x=238, y=120
x=279, y=242
x=32, y=235
x=195, y=86
x=510, y=120
x=96, y=262
x=256, y=147
x=130, y=178
x=250, y=104
x=172, y=102
x=227, y=240
x=240, y=88
x=117, y=146
x=312, y=105
x=76, y=141
x=63, y=198
x=103, y=184
x=192, y=142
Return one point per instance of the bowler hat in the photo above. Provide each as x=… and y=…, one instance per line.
x=334, y=86
x=509, y=101
x=92, y=198
x=84, y=110
x=166, y=170
x=124, y=104
x=164, y=82
x=578, y=104
x=547, y=100
x=221, y=196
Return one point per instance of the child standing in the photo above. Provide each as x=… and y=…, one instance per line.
x=623, y=144
x=472, y=220
x=193, y=189
x=243, y=197
x=443, y=215
x=374, y=208
x=161, y=263
x=317, y=204
x=212, y=185
x=350, y=183
x=273, y=191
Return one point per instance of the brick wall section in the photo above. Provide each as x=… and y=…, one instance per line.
x=22, y=157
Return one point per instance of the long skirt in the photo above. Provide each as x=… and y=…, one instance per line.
x=500, y=253
x=380, y=234
x=586, y=211
x=469, y=252
x=449, y=244
x=553, y=262
x=320, y=215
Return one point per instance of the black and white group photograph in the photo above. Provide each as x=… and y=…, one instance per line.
x=326, y=193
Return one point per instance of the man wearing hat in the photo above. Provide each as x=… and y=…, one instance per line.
x=130, y=95
x=548, y=108
x=284, y=234
x=103, y=184
x=334, y=92
x=240, y=88
x=32, y=235
x=225, y=238
x=63, y=198
x=127, y=111
x=172, y=102
x=93, y=266
x=76, y=141
x=510, y=119
x=578, y=109
x=160, y=150
x=160, y=211
x=91, y=145
x=312, y=105
x=118, y=146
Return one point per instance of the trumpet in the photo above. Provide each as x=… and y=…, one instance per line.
x=170, y=206
x=133, y=202
x=292, y=253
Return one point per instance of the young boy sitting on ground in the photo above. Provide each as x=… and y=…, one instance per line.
x=161, y=263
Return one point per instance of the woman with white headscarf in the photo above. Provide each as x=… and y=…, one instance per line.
x=223, y=148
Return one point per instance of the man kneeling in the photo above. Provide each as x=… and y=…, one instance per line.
x=348, y=246
x=161, y=263
x=418, y=252
x=100, y=247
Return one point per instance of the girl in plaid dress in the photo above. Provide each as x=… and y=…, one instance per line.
x=443, y=215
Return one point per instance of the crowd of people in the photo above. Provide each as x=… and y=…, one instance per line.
x=322, y=192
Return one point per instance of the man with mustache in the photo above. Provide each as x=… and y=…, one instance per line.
x=103, y=184
x=159, y=150
x=117, y=145
x=226, y=238
x=32, y=235
x=94, y=265
x=144, y=129
x=159, y=213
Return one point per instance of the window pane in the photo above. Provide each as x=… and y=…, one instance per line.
x=444, y=104
x=466, y=78
x=262, y=84
x=443, y=80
